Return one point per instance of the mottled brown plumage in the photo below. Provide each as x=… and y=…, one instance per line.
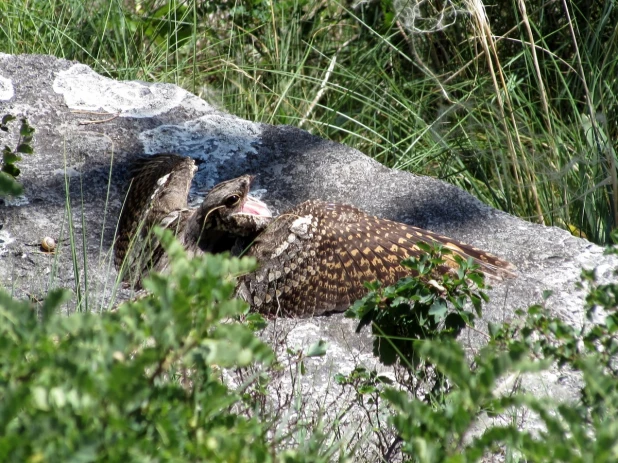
x=159, y=187
x=227, y=220
x=312, y=259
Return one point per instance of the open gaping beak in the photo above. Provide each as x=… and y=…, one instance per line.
x=254, y=206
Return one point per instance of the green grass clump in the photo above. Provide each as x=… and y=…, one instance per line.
x=516, y=103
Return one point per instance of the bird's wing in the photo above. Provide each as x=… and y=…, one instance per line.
x=315, y=258
x=157, y=196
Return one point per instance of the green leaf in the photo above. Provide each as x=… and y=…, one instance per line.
x=7, y=118
x=8, y=185
x=367, y=389
x=10, y=158
x=11, y=170
x=24, y=148
x=384, y=379
x=477, y=278
x=25, y=129
x=611, y=321
x=317, y=349
x=438, y=309
x=256, y=321
x=39, y=397
x=494, y=329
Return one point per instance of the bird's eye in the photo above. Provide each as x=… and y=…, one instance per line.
x=232, y=200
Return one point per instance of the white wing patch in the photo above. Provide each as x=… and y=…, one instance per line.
x=300, y=227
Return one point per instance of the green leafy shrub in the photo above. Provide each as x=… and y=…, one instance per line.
x=427, y=305
x=591, y=348
x=577, y=431
x=142, y=383
x=454, y=421
x=9, y=171
x=430, y=306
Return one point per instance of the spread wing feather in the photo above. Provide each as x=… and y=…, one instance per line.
x=315, y=258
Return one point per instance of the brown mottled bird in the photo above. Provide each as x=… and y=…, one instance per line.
x=313, y=259
x=227, y=220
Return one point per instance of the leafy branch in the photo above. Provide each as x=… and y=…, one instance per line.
x=10, y=157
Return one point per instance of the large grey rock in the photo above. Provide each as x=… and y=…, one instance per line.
x=62, y=98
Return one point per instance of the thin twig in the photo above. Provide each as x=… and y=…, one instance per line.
x=100, y=121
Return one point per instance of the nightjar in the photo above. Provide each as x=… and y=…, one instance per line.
x=312, y=259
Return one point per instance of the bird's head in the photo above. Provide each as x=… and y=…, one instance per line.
x=228, y=209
